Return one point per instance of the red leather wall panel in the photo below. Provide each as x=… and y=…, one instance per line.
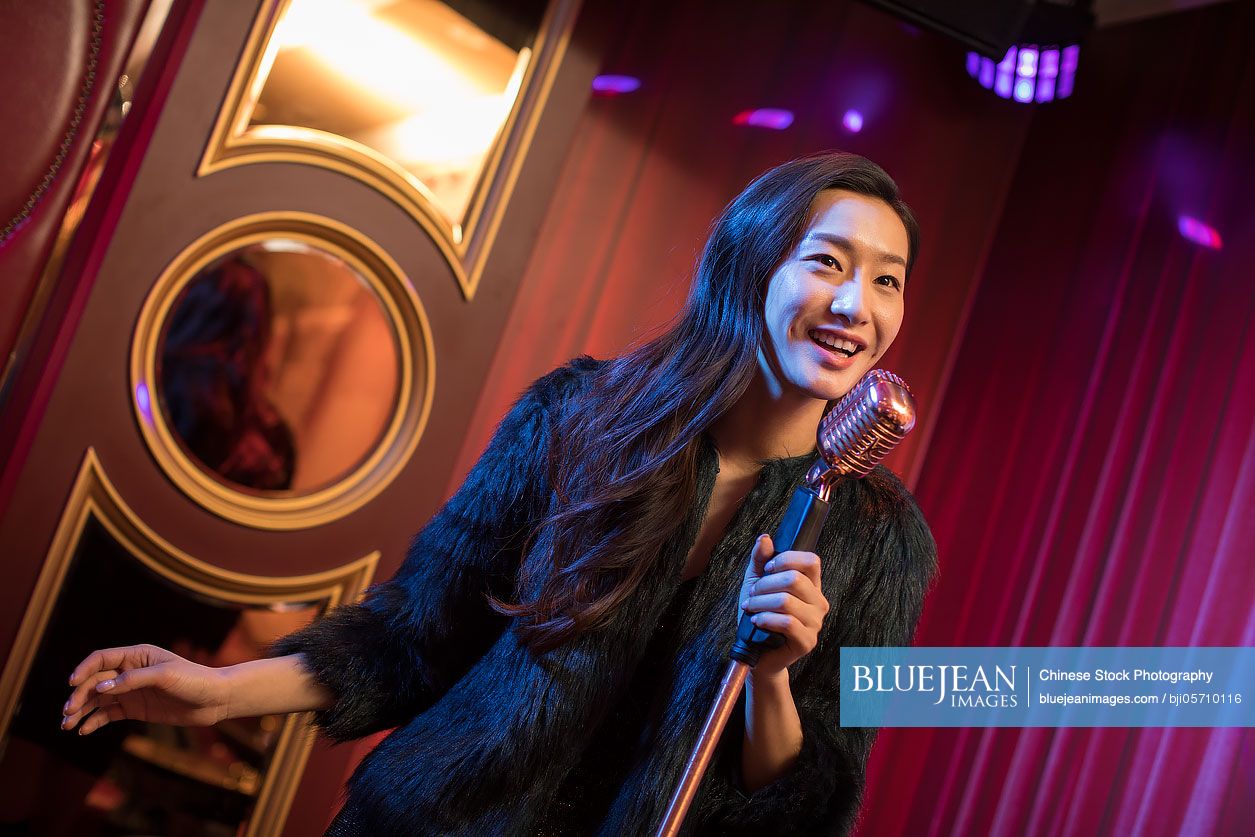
x=47, y=51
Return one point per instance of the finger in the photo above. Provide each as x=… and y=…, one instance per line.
x=800, y=638
x=102, y=716
x=85, y=690
x=71, y=720
x=105, y=658
x=92, y=703
x=785, y=604
x=789, y=581
x=760, y=553
x=129, y=681
x=806, y=563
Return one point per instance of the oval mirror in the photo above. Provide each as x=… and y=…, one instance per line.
x=277, y=368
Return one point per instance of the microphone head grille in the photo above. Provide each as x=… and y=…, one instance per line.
x=863, y=427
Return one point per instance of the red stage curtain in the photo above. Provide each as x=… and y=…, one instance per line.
x=1086, y=375
x=1091, y=480
x=648, y=172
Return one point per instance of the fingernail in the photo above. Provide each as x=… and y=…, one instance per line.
x=104, y=685
x=71, y=678
x=65, y=710
x=745, y=604
x=768, y=566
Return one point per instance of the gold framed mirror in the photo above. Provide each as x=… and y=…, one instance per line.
x=282, y=370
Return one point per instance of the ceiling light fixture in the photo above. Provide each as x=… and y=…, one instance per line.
x=1028, y=73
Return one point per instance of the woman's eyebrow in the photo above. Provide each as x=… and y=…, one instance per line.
x=845, y=244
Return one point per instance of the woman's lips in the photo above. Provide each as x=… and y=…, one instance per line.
x=835, y=358
x=835, y=343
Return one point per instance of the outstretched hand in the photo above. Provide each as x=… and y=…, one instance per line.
x=783, y=593
x=145, y=683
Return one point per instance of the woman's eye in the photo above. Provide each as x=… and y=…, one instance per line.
x=892, y=281
x=827, y=261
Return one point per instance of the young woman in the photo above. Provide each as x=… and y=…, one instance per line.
x=549, y=647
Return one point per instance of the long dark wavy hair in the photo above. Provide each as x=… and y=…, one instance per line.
x=625, y=463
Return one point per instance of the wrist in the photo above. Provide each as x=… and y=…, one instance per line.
x=226, y=687
x=767, y=680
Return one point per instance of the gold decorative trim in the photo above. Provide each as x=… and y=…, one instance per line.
x=93, y=495
x=416, y=384
x=464, y=246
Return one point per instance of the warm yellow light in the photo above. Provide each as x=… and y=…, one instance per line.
x=374, y=54
x=460, y=133
x=410, y=81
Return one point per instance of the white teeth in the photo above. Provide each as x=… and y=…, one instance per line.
x=835, y=342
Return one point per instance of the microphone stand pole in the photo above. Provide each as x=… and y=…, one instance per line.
x=798, y=530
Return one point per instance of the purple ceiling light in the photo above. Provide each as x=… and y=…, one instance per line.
x=1199, y=232
x=615, y=85
x=1028, y=73
x=852, y=121
x=775, y=118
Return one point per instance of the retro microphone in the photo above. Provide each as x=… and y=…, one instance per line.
x=855, y=435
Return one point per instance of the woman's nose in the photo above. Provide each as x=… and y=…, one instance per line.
x=848, y=301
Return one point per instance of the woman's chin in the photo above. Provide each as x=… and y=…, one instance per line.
x=830, y=377
x=826, y=390
x=818, y=381
x=832, y=387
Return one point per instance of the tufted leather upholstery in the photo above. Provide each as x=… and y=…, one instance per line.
x=45, y=51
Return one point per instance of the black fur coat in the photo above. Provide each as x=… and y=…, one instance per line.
x=491, y=739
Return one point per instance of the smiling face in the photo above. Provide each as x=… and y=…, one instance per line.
x=835, y=303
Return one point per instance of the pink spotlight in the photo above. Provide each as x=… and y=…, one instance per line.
x=1199, y=232
x=615, y=85
x=775, y=118
x=853, y=121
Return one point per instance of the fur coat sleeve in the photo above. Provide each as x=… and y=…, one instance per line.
x=879, y=562
x=391, y=655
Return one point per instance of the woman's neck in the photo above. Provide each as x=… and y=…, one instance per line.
x=766, y=423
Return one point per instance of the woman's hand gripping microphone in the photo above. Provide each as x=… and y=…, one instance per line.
x=783, y=593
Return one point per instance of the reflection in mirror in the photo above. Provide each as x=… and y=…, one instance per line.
x=277, y=368
x=132, y=777
x=427, y=85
